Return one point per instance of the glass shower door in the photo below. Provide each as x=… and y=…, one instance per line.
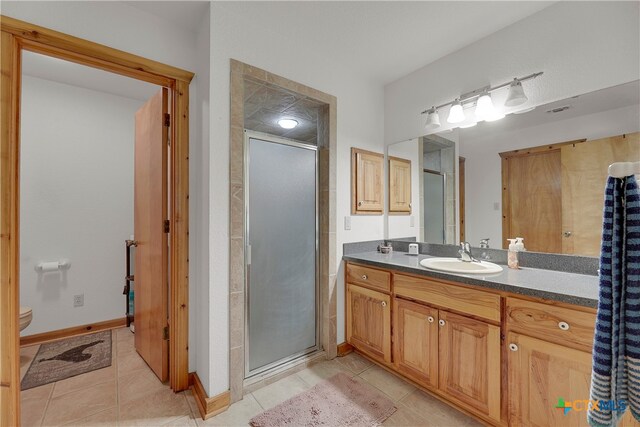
x=281, y=267
x=434, y=185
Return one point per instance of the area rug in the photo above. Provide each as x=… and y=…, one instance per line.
x=338, y=401
x=69, y=357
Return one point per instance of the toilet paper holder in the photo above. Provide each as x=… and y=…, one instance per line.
x=43, y=267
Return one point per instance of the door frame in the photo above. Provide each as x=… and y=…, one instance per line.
x=17, y=36
x=265, y=137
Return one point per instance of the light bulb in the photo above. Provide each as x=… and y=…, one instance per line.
x=516, y=95
x=484, y=106
x=433, y=120
x=456, y=114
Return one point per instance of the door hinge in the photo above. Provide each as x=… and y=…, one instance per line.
x=167, y=119
x=166, y=225
x=165, y=333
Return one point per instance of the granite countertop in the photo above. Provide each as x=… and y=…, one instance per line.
x=570, y=288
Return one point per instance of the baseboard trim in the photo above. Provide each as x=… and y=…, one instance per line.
x=208, y=406
x=344, y=349
x=69, y=332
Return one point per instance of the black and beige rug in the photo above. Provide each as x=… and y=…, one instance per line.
x=69, y=357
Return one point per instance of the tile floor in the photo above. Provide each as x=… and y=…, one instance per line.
x=128, y=394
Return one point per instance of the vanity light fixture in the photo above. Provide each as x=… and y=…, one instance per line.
x=485, y=110
x=287, y=123
x=433, y=120
x=516, y=95
x=456, y=114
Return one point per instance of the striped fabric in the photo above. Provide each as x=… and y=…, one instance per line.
x=616, y=349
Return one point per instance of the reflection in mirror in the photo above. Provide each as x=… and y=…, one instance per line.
x=433, y=215
x=539, y=174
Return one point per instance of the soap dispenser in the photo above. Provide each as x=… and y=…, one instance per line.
x=520, y=244
x=512, y=255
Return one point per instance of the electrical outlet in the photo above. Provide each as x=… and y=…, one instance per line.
x=412, y=221
x=78, y=300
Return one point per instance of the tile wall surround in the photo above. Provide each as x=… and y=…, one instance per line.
x=555, y=262
x=326, y=141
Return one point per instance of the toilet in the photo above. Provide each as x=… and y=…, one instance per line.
x=26, y=314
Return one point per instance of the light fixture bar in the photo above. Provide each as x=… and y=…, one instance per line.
x=474, y=94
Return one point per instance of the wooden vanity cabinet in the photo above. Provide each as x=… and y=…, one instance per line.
x=369, y=321
x=469, y=362
x=415, y=350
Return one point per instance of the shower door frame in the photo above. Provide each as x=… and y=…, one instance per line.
x=248, y=135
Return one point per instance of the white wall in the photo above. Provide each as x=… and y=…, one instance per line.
x=400, y=225
x=580, y=46
x=360, y=124
x=76, y=201
x=483, y=168
x=155, y=38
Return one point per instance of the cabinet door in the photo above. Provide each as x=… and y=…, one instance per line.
x=540, y=373
x=399, y=185
x=415, y=344
x=369, y=322
x=367, y=183
x=470, y=362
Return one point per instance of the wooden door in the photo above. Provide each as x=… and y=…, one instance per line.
x=532, y=200
x=541, y=373
x=150, y=213
x=367, y=182
x=584, y=175
x=469, y=362
x=369, y=322
x=399, y=185
x=415, y=343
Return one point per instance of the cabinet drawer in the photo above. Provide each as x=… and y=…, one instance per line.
x=551, y=322
x=369, y=277
x=465, y=300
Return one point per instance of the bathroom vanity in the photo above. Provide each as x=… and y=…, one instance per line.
x=504, y=348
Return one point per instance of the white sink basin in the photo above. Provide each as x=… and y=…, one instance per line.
x=455, y=265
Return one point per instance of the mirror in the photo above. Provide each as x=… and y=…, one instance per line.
x=539, y=174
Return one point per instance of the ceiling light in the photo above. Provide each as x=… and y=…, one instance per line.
x=516, y=94
x=433, y=120
x=287, y=123
x=456, y=115
x=484, y=106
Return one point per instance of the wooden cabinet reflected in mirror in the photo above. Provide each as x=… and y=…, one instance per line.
x=553, y=195
x=399, y=186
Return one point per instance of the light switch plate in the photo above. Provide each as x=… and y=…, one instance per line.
x=347, y=223
x=496, y=206
x=412, y=221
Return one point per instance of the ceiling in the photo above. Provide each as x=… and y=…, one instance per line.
x=265, y=104
x=382, y=41
x=58, y=70
x=598, y=101
x=186, y=14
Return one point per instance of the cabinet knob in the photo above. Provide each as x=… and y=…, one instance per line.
x=441, y=322
x=365, y=277
x=513, y=347
x=563, y=325
x=383, y=303
x=359, y=203
x=430, y=319
x=567, y=234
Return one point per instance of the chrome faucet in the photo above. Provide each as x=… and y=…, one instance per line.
x=465, y=252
